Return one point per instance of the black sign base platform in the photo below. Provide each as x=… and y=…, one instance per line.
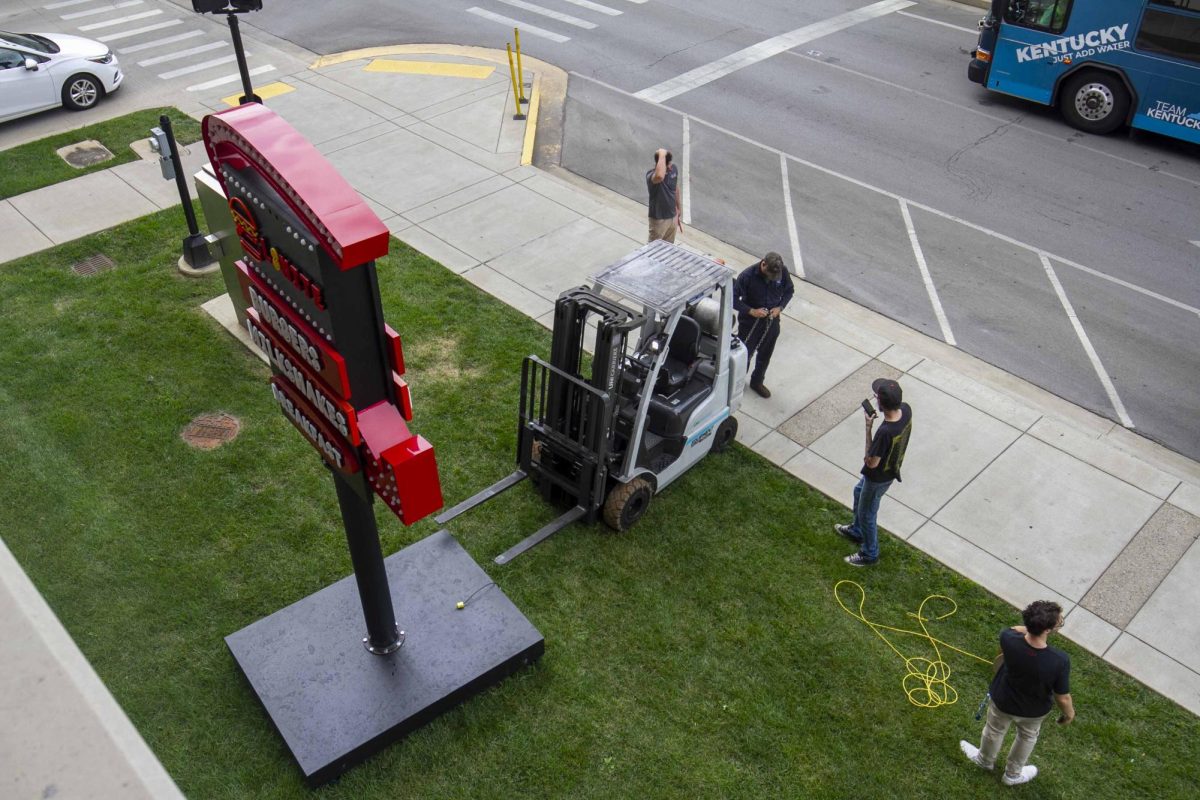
x=335, y=704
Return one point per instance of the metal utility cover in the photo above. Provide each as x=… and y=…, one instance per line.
x=661, y=276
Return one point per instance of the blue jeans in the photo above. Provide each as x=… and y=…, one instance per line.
x=867, y=495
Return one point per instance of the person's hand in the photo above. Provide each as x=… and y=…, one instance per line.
x=679, y=221
x=1063, y=719
x=775, y=312
x=758, y=313
x=870, y=418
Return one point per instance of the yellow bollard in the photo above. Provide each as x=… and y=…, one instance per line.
x=520, y=71
x=516, y=92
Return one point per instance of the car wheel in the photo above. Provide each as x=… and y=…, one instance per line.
x=726, y=433
x=626, y=504
x=81, y=92
x=1094, y=102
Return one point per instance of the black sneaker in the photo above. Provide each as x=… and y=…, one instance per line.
x=845, y=533
x=857, y=560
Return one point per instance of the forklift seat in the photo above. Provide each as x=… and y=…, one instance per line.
x=682, y=352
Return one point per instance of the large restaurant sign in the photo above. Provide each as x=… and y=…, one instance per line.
x=308, y=274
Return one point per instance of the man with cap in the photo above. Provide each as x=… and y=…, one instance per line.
x=760, y=294
x=882, y=457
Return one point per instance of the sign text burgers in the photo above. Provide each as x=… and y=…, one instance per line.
x=308, y=273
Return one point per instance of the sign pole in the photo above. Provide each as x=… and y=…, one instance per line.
x=362, y=535
x=235, y=33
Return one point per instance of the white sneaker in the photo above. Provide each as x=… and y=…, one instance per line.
x=1028, y=773
x=972, y=753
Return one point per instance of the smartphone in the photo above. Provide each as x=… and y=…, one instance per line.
x=867, y=407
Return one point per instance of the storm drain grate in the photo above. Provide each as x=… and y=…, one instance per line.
x=93, y=265
x=210, y=431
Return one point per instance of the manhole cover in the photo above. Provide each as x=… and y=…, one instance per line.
x=209, y=431
x=93, y=264
x=85, y=154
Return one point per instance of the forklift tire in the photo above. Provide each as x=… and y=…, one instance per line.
x=626, y=504
x=726, y=432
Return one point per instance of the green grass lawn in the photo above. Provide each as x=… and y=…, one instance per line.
x=700, y=655
x=36, y=164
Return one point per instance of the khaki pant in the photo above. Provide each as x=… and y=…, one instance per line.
x=993, y=736
x=662, y=229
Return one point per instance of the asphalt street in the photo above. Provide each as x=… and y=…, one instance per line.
x=1066, y=259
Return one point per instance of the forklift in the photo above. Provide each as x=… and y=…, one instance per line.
x=666, y=376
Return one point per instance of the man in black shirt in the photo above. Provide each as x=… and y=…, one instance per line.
x=760, y=293
x=662, y=184
x=1031, y=676
x=883, y=455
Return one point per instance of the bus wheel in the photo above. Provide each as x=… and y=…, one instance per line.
x=1095, y=102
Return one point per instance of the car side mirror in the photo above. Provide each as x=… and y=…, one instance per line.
x=31, y=64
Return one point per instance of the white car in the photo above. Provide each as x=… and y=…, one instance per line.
x=45, y=70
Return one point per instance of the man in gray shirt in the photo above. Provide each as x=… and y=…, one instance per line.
x=662, y=183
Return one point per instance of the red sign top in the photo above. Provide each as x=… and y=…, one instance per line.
x=252, y=135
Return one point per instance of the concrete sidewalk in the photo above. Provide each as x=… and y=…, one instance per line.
x=1024, y=493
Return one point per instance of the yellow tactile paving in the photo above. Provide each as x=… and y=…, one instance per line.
x=264, y=92
x=477, y=71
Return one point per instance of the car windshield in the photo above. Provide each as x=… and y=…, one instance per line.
x=30, y=41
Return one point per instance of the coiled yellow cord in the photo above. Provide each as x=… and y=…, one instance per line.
x=926, y=681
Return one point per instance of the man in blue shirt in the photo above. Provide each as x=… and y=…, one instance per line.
x=760, y=294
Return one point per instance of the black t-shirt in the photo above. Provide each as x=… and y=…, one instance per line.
x=1024, y=683
x=889, y=444
x=662, y=195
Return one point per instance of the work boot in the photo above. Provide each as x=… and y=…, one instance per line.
x=760, y=389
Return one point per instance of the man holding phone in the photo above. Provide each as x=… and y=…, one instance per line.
x=882, y=457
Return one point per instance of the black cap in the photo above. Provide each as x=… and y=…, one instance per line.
x=888, y=391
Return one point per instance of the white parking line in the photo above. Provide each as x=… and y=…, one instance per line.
x=545, y=12
x=204, y=48
x=216, y=62
x=514, y=23
x=939, y=22
x=884, y=192
x=793, y=236
x=765, y=49
x=599, y=9
x=95, y=26
x=137, y=48
x=1111, y=390
x=113, y=37
x=199, y=87
x=685, y=179
x=938, y=311
x=91, y=12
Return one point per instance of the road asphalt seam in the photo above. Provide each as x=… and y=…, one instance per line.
x=1092, y=355
x=926, y=278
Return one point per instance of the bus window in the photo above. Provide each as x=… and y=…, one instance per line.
x=1186, y=5
x=1046, y=15
x=1170, y=34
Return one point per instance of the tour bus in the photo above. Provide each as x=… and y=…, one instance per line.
x=1103, y=63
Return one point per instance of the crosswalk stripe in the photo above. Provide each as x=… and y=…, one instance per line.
x=137, y=48
x=515, y=23
x=65, y=4
x=590, y=6
x=113, y=37
x=120, y=21
x=199, y=87
x=215, y=62
x=545, y=12
x=91, y=12
x=204, y=48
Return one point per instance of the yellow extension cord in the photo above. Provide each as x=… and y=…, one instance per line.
x=926, y=681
